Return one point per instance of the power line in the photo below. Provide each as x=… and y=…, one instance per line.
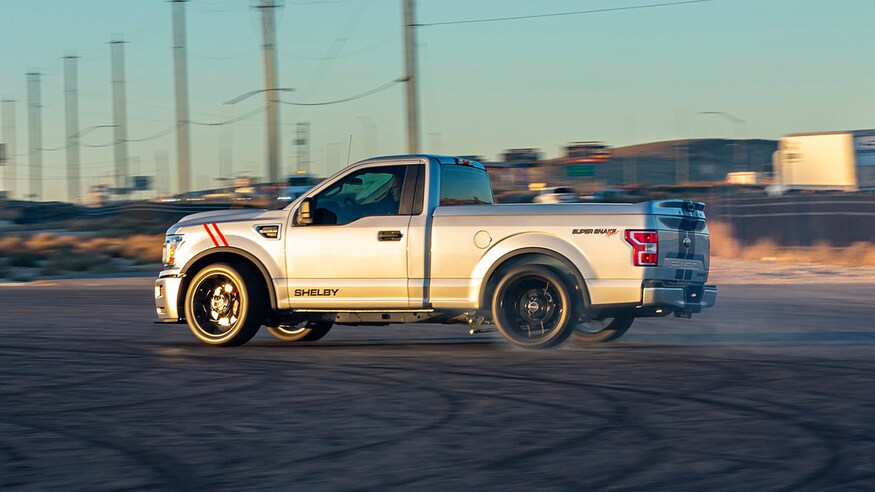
x=232, y=120
x=359, y=51
x=156, y=136
x=347, y=99
x=560, y=14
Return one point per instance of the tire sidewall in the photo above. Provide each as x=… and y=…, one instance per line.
x=310, y=332
x=613, y=331
x=243, y=330
x=562, y=331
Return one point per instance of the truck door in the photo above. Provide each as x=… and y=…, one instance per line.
x=354, y=255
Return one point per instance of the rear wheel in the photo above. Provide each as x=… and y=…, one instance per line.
x=307, y=331
x=601, y=330
x=532, y=307
x=225, y=305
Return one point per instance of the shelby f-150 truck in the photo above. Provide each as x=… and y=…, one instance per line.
x=418, y=239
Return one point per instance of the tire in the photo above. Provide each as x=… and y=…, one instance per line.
x=532, y=308
x=225, y=305
x=601, y=331
x=308, y=331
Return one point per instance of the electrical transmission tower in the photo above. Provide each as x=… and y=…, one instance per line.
x=302, y=144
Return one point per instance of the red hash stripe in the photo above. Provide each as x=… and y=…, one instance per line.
x=221, y=236
x=216, y=243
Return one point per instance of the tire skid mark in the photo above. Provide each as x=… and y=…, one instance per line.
x=831, y=461
x=628, y=423
x=162, y=467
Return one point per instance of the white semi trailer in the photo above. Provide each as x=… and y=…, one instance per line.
x=839, y=161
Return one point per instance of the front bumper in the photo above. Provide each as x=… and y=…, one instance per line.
x=167, y=289
x=690, y=299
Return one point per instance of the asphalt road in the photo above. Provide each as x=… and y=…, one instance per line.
x=770, y=390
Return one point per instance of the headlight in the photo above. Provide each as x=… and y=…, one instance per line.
x=168, y=253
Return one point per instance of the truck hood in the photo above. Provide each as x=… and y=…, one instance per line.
x=227, y=216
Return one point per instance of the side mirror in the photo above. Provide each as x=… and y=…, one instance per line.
x=305, y=216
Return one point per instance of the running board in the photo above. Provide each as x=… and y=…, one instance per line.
x=364, y=310
x=378, y=317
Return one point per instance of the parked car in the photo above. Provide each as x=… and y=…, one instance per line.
x=557, y=194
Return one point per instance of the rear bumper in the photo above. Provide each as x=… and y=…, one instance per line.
x=167, y=299
x=689, y=299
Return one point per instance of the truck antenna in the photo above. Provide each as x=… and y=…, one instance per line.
x=348, y=149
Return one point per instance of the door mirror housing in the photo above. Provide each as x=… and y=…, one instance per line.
x=305, y=214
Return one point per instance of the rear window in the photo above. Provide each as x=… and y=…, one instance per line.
x=462, y=185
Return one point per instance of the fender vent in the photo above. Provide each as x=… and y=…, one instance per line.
x=268, y=231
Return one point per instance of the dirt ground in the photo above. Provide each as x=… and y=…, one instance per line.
x=733, y=271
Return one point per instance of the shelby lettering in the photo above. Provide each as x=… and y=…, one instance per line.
x=315, y=292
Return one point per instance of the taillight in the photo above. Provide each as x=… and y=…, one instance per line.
x=645, y=247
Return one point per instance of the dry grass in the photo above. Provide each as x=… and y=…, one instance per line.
x=141, y=247
x=724, y=245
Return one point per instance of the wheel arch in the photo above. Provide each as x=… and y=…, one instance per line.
x=234, y=256
x=535, y=256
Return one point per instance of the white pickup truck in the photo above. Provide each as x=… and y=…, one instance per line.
x=418, y=239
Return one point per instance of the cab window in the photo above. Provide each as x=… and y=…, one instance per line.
x=461, y=185
x=371, y=191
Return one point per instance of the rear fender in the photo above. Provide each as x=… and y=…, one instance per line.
x=533, y=243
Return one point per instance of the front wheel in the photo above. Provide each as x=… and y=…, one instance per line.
x=532, y=307
x=225, y=305
x=308, y=331
x=601, y=330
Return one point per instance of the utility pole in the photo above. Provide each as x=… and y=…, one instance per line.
x=180, y=68
x=410, y=78
x=35, y=135
x=119, y=113
x=268, y=49
x=162, y=172
x=9, y=139
x=71, y=100
x=226, y=147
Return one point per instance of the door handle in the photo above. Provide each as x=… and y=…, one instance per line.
x=389, y=235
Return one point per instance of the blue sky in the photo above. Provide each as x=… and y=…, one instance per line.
x=623, y=77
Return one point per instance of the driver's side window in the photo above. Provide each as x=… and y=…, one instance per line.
x=371, y=191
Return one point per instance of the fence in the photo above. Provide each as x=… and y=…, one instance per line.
x=799, y=220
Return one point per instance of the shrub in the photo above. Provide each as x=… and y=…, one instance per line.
x=24, y=260
x=11, y=245
x=75, y=262
x=47, y=243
